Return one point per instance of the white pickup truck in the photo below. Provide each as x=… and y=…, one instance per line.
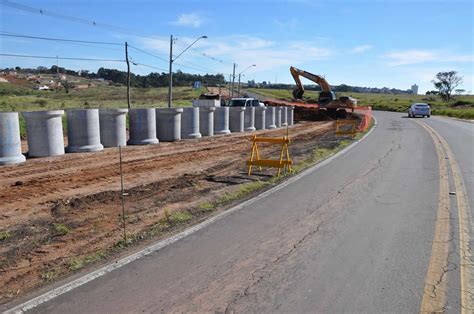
x=245, y=102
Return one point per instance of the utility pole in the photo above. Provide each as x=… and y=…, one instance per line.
x=238, y=91
x=233, y=81
x=170, y=85
x=230, y=83
x=128, y=75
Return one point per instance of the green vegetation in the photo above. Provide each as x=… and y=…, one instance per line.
x=179, y=217
x=461, y=106
x=4, y=235
x=50, y=275
x=243, y=191
x=61, y=229
x=19, y=99
x=77, y=263
x=206, y=207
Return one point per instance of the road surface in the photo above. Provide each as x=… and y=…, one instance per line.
x=375, y=230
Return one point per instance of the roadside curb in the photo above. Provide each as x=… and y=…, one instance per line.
x=55, y=292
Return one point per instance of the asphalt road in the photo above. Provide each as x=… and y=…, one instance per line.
x=354, y=235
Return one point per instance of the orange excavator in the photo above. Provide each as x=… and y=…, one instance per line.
x=336, y=108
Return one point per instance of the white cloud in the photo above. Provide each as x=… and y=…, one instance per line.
x=361, y=49
x=191, y=19
x=406, y=57
x=247, y=49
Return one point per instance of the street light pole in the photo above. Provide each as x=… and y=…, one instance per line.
x=170, y=85
x=253, y=65
x=238, y=90
x=233, y=80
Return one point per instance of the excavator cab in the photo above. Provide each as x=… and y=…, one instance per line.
x=326, y=97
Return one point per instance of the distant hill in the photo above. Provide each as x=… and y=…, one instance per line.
x=114, y=76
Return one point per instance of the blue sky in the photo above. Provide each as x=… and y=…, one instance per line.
x=364, y=43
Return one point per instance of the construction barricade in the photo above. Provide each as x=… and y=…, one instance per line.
x=366, y=114
x=346, y=127
x=280, y=163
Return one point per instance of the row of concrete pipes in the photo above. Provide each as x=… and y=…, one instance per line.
x=90, y=130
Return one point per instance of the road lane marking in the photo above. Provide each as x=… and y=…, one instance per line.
x=466, y=266
x=434, y=292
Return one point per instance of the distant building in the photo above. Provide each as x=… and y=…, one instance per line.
x=414, y=89
x=44, y=87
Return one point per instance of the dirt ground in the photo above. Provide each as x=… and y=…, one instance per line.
x=59, y=214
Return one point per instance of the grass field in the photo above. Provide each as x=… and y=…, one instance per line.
x=460, y=107
x=19, y=99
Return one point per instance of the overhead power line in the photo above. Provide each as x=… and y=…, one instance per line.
x=61, y=39
x=148, y=53
x=43, y=12
x=59, y=58
x=183, y=44
x=149, y=66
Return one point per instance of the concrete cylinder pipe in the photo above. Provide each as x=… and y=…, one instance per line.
x=291, y=115
x=236, y=119
x=206, y=120
x=83, y=131
x=142, y=126
x=270, y=118
x=284, y=116
x=113, y=127
x=260, y=117
x=221, y=120
x=190, y=123
x=44, y=131
x=10, y=142
x=278, y=118
x=249, y=119
x=168, y=124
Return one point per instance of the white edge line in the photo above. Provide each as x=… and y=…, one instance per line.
x=28, y=305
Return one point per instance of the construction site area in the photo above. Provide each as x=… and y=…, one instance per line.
x=60, y=214
x=63, y=213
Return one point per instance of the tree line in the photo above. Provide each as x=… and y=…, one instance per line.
x=153, y=79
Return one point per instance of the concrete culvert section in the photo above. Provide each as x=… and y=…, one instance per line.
x=284, y=116
x=142, y=126
x=278, y=118
x=83, y=130
x=221, y=120
x=113, y=128
x=236, y=119
x=291, y=115
x=190, y=123
x=44, y=131
x=249, y=119
x=260, y=116
x=10, y=142
x=270, y=118
x=206, y=120
x=168, y=124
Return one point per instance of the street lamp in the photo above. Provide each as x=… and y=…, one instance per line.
x=253, y=65
x=170, y=94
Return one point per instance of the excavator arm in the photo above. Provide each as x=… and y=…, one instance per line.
x=299, y=90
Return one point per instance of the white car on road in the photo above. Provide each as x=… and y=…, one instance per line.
x=419, y=109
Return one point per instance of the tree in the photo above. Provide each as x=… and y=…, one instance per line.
x=459, y=91
x=446, y=82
